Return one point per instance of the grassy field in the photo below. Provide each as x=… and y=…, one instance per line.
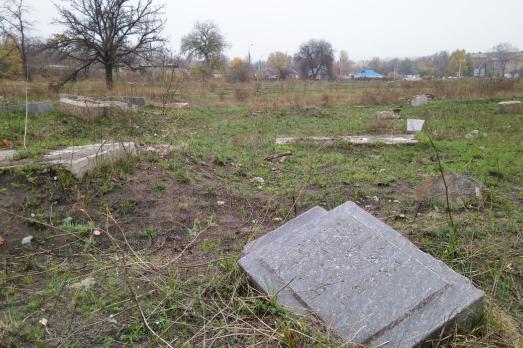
x=174, y=218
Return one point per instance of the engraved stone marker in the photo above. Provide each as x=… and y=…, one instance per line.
x=362, y=278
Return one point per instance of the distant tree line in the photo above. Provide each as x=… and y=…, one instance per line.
x=110, y=35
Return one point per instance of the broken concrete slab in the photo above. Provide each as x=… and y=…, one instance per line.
x=178, y=105
x=355, y=139
x=131, y=101
x=7, y=155
x=420, y=100
x=32, y=108
x=362, y=278
x=415, y=126
x=461, y=188
x=80, y=160
x=512, y=106
x=91, y=109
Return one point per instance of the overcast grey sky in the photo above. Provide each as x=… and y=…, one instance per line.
x=384, y=28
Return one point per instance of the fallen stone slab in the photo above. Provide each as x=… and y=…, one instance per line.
x=179, y=105
x=361, y=278
x=461, y=188
x=7, y=155
x=32, y=108
x=420, y=100
x=90, y=109
x=507, y=107
x=415, y=126
x=80, y=160
x=355, y=139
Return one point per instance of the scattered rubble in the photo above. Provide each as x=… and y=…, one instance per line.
x=513, y=106
x=472, y=134
x=389, y=114
x=461, y=188
x=162, y=149
x=355, y=139
x=277, y=155
x=258, y=180
x=361, y=278
x=181, y=105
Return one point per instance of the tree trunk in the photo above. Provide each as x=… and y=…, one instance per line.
x=109, y=76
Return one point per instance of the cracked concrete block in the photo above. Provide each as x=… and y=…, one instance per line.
x=80, y=160
x=507, y=107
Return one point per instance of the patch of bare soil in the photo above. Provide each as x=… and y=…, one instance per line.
x=151, y=206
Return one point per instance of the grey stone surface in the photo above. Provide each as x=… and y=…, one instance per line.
x=510, y=106
x=414, y=125
x=461, y=188
x=7, y=155
x=91, y=109
x=33, y=108
x=290, y=226
x=355, y=139
x=420, y=100
x=80, y=160
x=362, y=278
x=131, y=101
x=135, y=101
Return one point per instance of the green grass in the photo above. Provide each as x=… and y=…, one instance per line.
x=232, y=142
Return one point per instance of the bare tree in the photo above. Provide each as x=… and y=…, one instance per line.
x=113, y=33
x=503, y=53
x=315, y=58
x=205, y=42
x=14, y=25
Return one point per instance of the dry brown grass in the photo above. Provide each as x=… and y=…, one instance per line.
x=270, y=93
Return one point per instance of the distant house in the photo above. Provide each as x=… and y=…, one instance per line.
x=368, y=74
x=488, y=65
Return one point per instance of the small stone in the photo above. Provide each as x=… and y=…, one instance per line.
x=43, y=321
x=26, y=241
x=461, y=188
x=472, y=134
x=112, y=320
x=258, y=180
x=220, y=203
x=85, y=284
x=97, y=232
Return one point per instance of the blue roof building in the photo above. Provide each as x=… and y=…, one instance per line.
x=368, y=74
